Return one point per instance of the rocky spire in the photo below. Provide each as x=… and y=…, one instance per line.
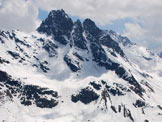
x=58, y=24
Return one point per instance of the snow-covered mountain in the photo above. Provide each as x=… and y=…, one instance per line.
x=76, y=72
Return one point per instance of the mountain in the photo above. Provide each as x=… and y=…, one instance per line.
x=70, y=71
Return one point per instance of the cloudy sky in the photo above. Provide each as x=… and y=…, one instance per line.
x=140, y=20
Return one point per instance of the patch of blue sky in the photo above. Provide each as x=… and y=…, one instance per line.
x=117, y=25
x=42, y=14
x=75, y=18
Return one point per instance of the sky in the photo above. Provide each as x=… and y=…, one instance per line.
x=139, y=20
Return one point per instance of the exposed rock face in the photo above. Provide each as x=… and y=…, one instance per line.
x=77, y=35
x=86, y=96
x=57, y=24
x=72, y=65
x=28, y=94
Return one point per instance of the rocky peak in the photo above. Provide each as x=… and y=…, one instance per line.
x=56, y=13
x=60, y=19
x=58, y=24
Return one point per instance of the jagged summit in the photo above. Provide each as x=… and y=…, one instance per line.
x=61, y=27
x=56, y=13
x=57, y=24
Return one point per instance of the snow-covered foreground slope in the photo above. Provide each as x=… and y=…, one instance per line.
x=75, y=72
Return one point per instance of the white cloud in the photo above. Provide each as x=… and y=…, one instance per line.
x=18, y=14
x=134, y=31
x=148, y=32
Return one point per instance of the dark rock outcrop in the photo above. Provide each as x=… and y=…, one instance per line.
x=85, y=96
x=28, y=94
x=139, y=103
x=58, y=25
x=72, y=65
x=77, y=35
x=107, y=41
